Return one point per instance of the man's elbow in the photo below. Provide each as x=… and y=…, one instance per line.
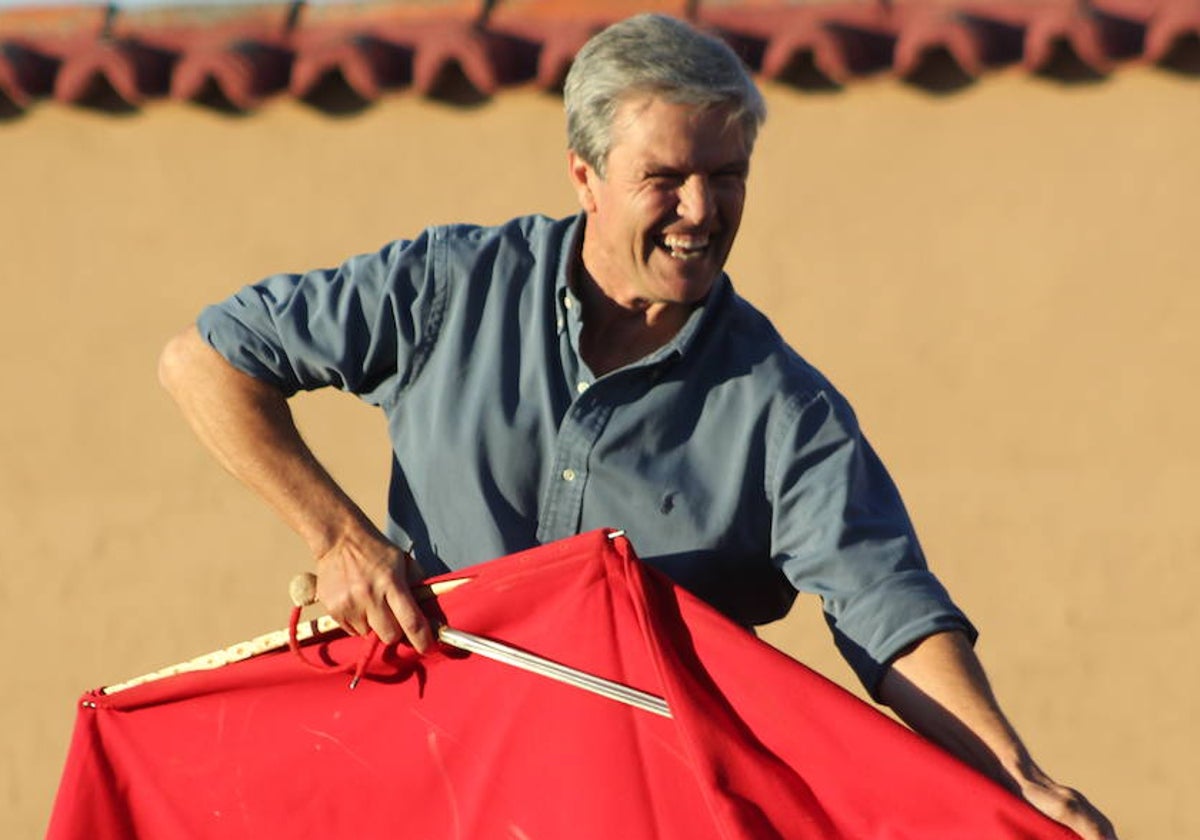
x=178, y=361
x=190, y=368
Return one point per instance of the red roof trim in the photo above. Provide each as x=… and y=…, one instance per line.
x=248, y=52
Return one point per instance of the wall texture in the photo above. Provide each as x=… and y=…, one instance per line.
x=1000, y=280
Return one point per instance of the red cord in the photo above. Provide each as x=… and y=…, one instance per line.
x=364, y=660
x=358, y=669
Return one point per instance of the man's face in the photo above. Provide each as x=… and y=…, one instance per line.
x=662, y=221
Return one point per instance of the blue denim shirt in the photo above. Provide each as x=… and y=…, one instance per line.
x=733, y=465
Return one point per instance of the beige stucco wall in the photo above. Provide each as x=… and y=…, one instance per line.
x=1000, y=280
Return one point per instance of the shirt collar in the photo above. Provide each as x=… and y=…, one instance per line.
x=701, y=319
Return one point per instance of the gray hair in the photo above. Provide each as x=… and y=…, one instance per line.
x=654, y=55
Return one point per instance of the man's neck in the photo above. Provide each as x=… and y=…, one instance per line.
x=616, y=333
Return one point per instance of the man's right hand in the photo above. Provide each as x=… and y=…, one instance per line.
x=364, y=583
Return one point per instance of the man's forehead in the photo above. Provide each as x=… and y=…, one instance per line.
x=636, y=103
x=639, y=109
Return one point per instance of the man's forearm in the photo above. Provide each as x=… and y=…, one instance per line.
x=362, y=577
x=249, y=428
x=939, y=688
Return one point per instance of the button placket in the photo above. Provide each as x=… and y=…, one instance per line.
x=579, y=432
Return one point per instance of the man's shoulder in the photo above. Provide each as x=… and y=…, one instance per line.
x=534, y=229
x=750, y=336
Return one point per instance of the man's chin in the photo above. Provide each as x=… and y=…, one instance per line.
x=681, y=280
x=689, y=290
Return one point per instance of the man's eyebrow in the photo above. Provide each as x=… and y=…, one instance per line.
x=740, y=165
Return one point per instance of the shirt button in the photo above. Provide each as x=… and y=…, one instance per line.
x=568, y=302
x=568, y=474
x=581, y=387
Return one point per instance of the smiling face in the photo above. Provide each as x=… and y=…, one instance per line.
x=662, y=220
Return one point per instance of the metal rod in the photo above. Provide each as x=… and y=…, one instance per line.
x=526, y=661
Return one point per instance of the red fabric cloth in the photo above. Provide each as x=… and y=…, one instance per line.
x=458, y=746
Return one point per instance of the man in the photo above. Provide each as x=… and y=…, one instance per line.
x=546, y=377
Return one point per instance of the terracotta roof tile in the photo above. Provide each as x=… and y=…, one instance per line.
x=556, y=29
x=233, y=56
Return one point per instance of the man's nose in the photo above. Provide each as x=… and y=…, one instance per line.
x=696, y=200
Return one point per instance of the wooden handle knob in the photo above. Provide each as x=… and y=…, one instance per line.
x=303, y=589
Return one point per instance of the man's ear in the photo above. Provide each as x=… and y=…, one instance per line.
x=582, y=176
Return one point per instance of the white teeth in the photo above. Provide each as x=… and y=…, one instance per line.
x=685, y=243
x=685, y=247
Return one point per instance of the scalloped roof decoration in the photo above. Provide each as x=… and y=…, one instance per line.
x=348, y=54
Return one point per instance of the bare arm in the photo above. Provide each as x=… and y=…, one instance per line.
x=939, y=689
x=248, y=426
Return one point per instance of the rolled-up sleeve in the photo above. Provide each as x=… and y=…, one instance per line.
x=359, y=327
x=840, y=531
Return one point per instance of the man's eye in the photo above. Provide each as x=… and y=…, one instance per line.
x=666, y=179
